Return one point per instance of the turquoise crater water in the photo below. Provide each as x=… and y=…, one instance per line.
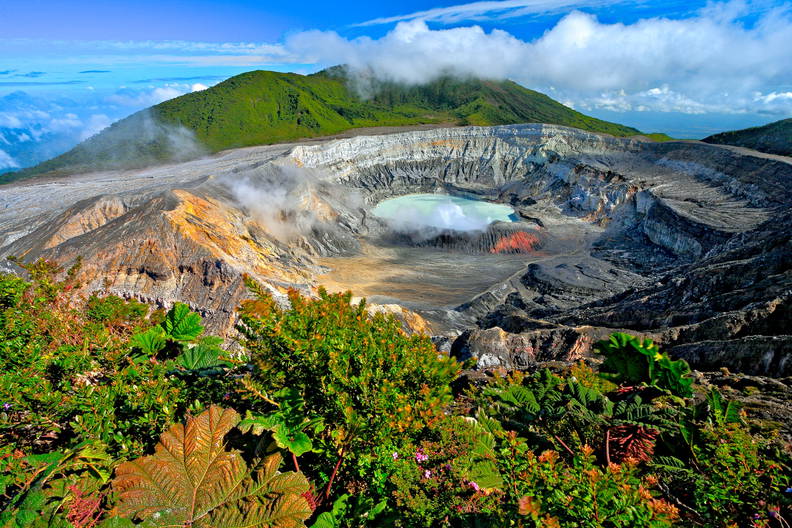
x=440, y=211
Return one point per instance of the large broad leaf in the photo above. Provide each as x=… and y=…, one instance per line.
x=181, y=324
x=295, y=441
x=357, y=510
x=203, y=356
x=287, y=424
x=632, y=361
x=151, y=341
x=285, y=436
x=673, y=375
x=626, y=360
x=335, y=517
x=192, y=480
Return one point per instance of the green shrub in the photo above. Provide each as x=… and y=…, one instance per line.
x=367, y=380
x=632, y=361
x=73, y=385
x=451, y=474
x=364, y=410
x=731, y=477
x=545, y=491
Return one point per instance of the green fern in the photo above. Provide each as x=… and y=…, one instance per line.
x=587, y=401
x=192, y=480
x=717, y=410
x=634, y=411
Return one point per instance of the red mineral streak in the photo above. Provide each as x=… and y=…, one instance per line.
x=520, y=242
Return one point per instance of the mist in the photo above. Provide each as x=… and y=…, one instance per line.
x=291, y=203
x=139, y=141
x=431, y=214
x=145, y=136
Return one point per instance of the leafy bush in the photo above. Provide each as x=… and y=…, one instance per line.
x=361, y=376
x=449, y=475
x=709, y=461
x=473, y=476
x=545, y=491
x=365, y=411
x=731, y=474
x=35, y=487
x=73, y=385
x=633, y=361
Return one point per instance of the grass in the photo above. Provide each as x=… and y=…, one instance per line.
x=773, y=138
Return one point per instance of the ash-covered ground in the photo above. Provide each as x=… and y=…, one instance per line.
x=440, y=273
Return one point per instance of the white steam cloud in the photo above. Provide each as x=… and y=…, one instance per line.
x=96, y=123
x=150, y=96
x=436, y=212
x=714, y=61
x=291, y=202
x=272, y=207
x=144, y=98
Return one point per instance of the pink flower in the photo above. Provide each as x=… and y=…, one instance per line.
x=427, y=474
x=395, y=455
x=474, y=485
x=420, y=456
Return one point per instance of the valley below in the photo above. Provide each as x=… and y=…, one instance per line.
x=683, y=242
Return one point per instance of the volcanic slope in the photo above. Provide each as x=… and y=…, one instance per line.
x=684, y=242
x=773, y=138
x=264, y=107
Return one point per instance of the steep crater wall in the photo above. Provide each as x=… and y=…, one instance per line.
x=653, y=215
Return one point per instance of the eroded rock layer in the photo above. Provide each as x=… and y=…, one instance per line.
x=685, y=242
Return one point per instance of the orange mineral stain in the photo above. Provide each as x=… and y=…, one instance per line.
x=519, y=242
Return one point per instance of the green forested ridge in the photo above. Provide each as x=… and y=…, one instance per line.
x=773, y=138
x=263, y=107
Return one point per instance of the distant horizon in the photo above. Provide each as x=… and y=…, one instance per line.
x=687, y=69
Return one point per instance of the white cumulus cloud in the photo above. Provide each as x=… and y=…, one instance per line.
x=713, y=61
x=493, y=9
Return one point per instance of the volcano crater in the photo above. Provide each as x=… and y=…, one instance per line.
x=683, y=242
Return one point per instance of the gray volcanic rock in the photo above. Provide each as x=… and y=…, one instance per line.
x=713, y=224
x=496, y=348
x=684, y=242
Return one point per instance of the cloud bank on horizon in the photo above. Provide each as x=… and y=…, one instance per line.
x=36, y=128
x=727, y=57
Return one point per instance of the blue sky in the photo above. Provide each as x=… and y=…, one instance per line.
x=688, y=68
